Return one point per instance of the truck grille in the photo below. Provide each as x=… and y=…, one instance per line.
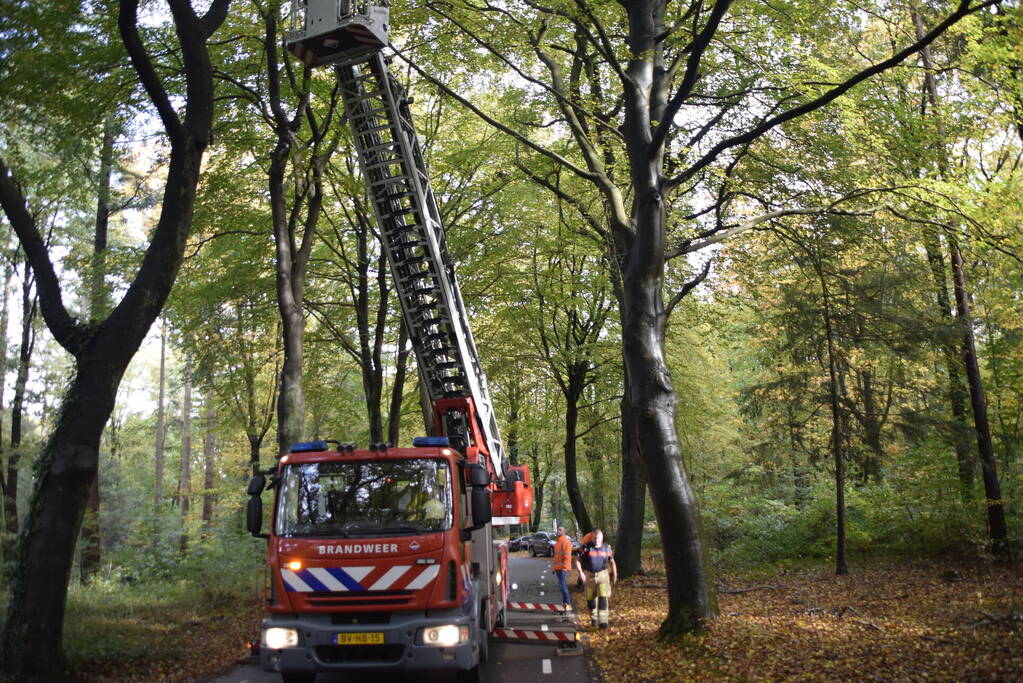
x=334, y=654
x=338, y=598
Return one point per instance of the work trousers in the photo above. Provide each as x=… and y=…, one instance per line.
x=563, y=585
x=598, y=593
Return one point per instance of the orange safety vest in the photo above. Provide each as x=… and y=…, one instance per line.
x=563, y=554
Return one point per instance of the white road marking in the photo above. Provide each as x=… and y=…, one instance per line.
x=546, y=666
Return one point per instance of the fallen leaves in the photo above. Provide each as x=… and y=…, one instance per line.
x=888, y=620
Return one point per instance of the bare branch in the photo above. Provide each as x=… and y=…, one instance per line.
x=686, y=288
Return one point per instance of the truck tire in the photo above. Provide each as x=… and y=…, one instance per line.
x=469, y=676
x=484, y=645
x=302, y=677
x=484, y=631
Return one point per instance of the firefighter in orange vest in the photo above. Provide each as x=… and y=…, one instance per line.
x=596, y=565
x=562, y=558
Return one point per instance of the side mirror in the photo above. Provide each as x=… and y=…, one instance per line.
x=478, y=476
x=256, y=485
x=254, y=515
x=482, y=513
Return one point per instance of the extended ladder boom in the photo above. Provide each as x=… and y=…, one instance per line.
x=352, y=38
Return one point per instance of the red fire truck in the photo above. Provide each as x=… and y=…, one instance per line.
x=384, y=558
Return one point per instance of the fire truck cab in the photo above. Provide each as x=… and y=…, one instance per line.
x=380, y=559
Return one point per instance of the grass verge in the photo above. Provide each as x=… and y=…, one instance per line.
x=165, y=631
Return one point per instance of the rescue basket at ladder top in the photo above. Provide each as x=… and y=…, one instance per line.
x=337, y=29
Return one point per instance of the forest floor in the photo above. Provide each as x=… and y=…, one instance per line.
x=903, y=620
x=924, y=619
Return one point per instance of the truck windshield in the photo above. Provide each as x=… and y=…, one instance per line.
x=364, y=498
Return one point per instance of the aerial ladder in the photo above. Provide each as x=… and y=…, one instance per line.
x=385, y=558
x=407, y=214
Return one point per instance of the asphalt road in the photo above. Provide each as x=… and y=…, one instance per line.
x=510, y=662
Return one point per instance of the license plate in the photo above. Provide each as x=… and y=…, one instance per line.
x=359, y=639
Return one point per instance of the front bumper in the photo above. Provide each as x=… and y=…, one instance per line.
x=317, y=650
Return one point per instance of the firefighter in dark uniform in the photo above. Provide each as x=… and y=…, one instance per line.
x=596, y=566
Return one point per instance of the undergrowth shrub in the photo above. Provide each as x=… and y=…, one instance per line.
x=917, y=507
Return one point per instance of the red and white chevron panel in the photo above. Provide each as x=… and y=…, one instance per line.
x=535, y=606
x=534, y=636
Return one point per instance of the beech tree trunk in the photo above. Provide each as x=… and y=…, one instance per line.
x=632, y=506
x=31, y=641
x=691, y=599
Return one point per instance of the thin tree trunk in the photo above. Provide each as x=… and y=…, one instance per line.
x=514, y=394
x=28, y=313
x=185, y=482
x=628, y=551
x=97, y=290
x=91, y=548
x=956, y=391
x=575, y=496
x=398, y=389
x=208, y=456
x=292, y=255
x=9, y=531
x=255, y=441
x=988, y=467
x=932, y=245
x=161, y=426
x=425, y=405
x=836, y=427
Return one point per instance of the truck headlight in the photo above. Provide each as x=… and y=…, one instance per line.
x=280, y=638
x=448, y=635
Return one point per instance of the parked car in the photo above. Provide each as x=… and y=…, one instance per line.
x=517, y=544
x=542, y=543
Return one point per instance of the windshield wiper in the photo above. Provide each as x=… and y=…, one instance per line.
x=402, y=529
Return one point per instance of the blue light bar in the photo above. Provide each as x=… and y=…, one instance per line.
x=308, y=446
x=430, y=441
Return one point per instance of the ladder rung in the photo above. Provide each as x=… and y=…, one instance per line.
x=363, y=96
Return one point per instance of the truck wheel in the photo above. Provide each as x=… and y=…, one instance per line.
x=484, y=631
x=470, y=676
x=302, y=677
x=484, y=645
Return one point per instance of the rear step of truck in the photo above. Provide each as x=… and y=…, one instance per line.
x=535, y=607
